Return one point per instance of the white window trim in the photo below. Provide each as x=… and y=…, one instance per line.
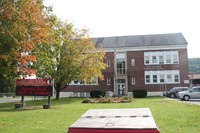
x=173, y=57
x=133, y=80
x=172, y=73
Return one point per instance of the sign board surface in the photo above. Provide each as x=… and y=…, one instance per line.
x=34, y=87
x=138, y=120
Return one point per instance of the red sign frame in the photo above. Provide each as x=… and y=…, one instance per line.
x=34, y=87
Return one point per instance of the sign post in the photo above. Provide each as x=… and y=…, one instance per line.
x=34, y=87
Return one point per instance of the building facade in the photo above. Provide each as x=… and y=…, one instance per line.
x=152, y=62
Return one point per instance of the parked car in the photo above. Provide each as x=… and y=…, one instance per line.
x=192, y=93
x=172, y=93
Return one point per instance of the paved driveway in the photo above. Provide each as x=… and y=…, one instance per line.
x=193, y=101
x=10, y=100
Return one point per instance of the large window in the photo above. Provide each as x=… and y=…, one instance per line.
x=93, y=81
x=121, y=63
x=161, y=57
x=166, y=76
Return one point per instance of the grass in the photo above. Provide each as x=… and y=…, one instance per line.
x=170, y=116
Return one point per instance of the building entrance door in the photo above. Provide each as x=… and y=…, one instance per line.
x=121, y=89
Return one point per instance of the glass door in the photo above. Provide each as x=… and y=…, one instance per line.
x=121, y=89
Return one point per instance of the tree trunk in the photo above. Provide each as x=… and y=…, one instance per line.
x=57, y=94
x=58, y=89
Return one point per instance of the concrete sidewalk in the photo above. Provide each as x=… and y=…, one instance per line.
x=13, y=100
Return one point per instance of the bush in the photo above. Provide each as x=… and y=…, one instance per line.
x=96, y=93
x=125, y=99
x=86, y=101
x=139, y=93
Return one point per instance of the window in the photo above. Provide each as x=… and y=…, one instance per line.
x=121, y=63
x=162, y=78
x=169, y=78
x=108, y=63
x=176, y=78
x=168, y=59
x=132, y=62
x=75, y=82
x=154, y=60
x=93, y=81
x=195, y=89
x=175, y=59
x=108, y=81
x=133, y=80
x=154, y=78
x=161, y=59
x=146, y=60
x=147, y=78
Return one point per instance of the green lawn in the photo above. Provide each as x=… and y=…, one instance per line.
x=170, y=116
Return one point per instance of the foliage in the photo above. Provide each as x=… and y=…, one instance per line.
x=32, y=40
x=7, y=85
x=194, y=65
x=139, y=93
x=23, y=24
x=71, y=56
x=96, y=93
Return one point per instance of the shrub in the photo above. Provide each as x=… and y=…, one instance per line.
x=86, y=101
x=126, y=99
x=104, y=100
x=96, y=93
x=139, y=93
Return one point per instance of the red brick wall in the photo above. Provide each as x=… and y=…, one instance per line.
x=137, y=71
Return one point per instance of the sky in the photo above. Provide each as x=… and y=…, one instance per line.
x=134, y=17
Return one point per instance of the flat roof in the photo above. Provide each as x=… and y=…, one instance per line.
x=131, y=118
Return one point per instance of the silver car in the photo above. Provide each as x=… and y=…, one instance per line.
x=192, y=93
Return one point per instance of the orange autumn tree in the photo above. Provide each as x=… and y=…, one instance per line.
x=23, y=24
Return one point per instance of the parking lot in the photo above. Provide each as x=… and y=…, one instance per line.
x=191, y=101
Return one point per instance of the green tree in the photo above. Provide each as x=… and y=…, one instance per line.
x=194, y=65
x=72, y=56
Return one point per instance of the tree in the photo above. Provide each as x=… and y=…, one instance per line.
x=194, y=65
x=23, y=24
x=72, y=56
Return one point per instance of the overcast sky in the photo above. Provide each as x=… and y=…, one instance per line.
x=134, y=17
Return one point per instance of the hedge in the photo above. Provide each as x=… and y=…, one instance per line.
x=96, y=93
x=139, y=93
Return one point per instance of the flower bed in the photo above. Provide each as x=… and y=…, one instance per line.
x=124, y=99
